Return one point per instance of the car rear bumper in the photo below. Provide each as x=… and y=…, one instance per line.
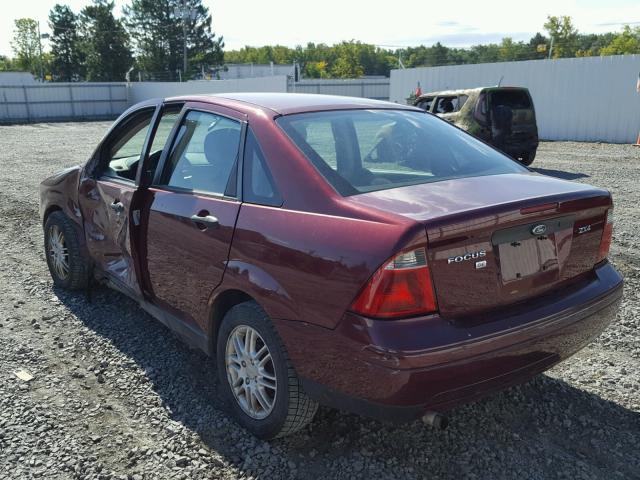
x=516, y=147
x=399, y=369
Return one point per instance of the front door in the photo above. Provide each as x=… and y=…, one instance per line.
x=108, y=189
x=190, y=213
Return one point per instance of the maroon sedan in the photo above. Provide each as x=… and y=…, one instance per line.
x=359, y=254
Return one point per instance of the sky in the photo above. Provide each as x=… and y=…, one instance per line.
x=395, y=24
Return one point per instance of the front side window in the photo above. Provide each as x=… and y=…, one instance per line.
x=205, y=154
x=168, y=118
x=123, y=150
x=369, y=150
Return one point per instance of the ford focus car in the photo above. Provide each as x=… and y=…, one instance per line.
x=354, y=253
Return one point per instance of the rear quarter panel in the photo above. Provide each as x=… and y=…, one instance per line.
x=307, y=266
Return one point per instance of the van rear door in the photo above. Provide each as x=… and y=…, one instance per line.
x=519, y=101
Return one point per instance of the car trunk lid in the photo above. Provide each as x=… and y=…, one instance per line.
x=498, y=240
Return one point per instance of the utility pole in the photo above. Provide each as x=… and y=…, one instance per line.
x=40, y=37
x=186, y=13
x=551, y=47
x=184, y=36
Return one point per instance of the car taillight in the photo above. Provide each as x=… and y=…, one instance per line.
x=401, y=287
x=607, y=236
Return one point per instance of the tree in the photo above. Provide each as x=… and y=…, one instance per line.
x=156, y=26
x=67, y=63
x=489, y=53
x=626, y=42
x=538, y=47
x=347, y=64
x=105, y=43
x=316, y=69
x=26, y=45
x=592, y=43
x=563, y=35
x=6, y=64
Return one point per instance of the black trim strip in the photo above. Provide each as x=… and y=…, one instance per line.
x=523, y=232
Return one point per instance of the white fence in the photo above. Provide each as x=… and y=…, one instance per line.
x=584, y=99
x=93, y=101
x=367, y=88
x=145, y=90
x=62, y=101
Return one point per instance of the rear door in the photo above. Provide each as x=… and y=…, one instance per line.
x=108, y=189
x=190, y=211
x=518, y=100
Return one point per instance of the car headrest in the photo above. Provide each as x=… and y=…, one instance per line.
x=221, y=145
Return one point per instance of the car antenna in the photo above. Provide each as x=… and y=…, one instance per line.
x=500, y=81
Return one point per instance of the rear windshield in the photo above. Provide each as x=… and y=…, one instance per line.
x=515, y=99
x=361, y=151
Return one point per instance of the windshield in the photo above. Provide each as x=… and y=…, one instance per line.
x=361, y=151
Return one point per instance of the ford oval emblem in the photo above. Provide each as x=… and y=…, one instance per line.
x=539, y=229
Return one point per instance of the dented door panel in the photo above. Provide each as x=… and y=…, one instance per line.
x=105, y=206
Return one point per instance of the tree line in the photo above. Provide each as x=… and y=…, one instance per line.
x=147, y=42
x=353, y=59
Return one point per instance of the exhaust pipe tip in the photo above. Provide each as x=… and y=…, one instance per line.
x=435, y=420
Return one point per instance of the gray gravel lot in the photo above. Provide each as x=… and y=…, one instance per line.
x=116, y=395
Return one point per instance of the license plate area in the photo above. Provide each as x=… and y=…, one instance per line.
x=531, y=250
x=523, y=258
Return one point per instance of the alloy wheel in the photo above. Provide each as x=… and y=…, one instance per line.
x=251, y=372
x=58, y=252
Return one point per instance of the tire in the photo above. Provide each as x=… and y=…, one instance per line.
x=291, y=408
x=528, y=157
x=58, y=225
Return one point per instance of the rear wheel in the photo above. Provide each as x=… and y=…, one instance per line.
x=528, y=157
x=256, y=376
x=68, y=265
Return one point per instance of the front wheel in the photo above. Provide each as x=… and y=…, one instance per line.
x=68, y=264
x=256, y=376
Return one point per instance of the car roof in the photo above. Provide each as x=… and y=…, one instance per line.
x=289, y=103
x=468, y=91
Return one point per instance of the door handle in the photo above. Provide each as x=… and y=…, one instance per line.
x=205, y=221
x=117, y=206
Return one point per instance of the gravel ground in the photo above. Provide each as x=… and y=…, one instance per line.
x=116, y=395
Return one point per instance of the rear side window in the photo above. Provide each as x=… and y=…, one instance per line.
x=257, y=183
x=425, y=103
x=450, y=104
x=204, y=155
x=381, y=149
